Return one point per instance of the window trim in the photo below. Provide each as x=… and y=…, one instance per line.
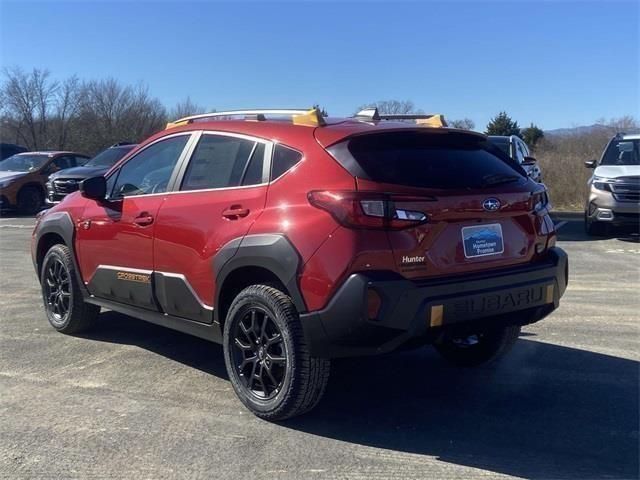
x=266, y=164
x=302, y=159
x=172, y=178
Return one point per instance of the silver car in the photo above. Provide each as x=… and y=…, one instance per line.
x=614, y=188
x=518, y=150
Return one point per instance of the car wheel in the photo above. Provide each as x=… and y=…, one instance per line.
x=30, y=200
x=479, y=348
x=594, y=228
x=66, y=310
x=267, y=358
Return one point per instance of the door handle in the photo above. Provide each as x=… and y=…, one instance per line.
x=234, y=212
x=143, y=220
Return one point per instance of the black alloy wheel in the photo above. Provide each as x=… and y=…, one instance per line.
x=259, y=353
x=57, y=290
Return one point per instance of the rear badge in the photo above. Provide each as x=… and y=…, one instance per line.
x=134, y=277
x=481, y=240
x=406, y=260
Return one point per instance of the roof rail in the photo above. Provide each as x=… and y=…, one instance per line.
x=312, y=117
x=372, y=114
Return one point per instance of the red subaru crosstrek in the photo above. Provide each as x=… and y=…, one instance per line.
x=293, y=239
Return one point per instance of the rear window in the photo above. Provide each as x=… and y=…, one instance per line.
x=428, y=160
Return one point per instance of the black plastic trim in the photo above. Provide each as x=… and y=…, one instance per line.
x=177, y=298
x=209, y=332
x=272, y=252
x=343, y=328
x=61, y=224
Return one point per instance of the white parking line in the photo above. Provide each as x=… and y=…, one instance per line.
x=560, y=225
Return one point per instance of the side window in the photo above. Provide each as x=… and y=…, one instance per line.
x=217, y=162
x=519, y=154
x=284, y=158
x=61, y=163
x=151, y=169
x=525, y=149
x=253, y=173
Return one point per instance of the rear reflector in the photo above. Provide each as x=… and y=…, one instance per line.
x=374, y=302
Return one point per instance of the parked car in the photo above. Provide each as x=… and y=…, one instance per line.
x=23, y=177
x=518, y=150
x=614, y=188
x=9, y=149
x=67, y=181
x=293, y=239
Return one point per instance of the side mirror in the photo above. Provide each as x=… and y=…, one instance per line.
x=528, y=161
x=591, y=164
x=94, y=188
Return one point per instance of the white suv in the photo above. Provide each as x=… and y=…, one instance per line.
x=614, y=187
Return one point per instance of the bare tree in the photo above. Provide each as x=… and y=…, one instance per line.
x=67, y=105
x=390, y=107
x=186, y=108
x=27, y=101
x=463, y=124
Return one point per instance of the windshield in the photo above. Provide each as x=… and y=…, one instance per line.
x=23, y=163
x=622, y=152
x=449, y=161
x=109, y=157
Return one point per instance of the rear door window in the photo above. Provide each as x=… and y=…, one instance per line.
x=219, y=161
x=430, y=160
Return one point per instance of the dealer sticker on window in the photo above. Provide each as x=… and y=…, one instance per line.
x=481, y=240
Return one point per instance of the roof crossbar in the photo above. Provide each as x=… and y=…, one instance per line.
x=302, y=116
x=372, y=114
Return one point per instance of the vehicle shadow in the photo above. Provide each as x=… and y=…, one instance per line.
x=194, y=352
x=546, y=411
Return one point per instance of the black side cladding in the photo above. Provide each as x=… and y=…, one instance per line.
x=61, y=224
x=272, y=252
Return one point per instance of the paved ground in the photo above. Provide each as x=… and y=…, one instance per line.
x=132, y=400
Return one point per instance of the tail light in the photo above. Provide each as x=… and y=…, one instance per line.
x=540, y=202
x=365, y=210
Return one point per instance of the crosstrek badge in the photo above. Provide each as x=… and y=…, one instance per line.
x=481, y=240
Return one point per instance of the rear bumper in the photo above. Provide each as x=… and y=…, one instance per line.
x=420, y=312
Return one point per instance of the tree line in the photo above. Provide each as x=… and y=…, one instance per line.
x=43, y=113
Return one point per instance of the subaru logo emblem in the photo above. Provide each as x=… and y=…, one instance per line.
x=491, y=204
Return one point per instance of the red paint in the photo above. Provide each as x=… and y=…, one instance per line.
x=189, y=228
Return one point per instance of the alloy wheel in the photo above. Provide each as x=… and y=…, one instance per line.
x=259, y=353
x=57, y=289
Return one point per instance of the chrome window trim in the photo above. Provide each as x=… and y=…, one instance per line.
x=266, y=165
x=171, y=179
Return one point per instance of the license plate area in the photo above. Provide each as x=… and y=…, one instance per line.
x=482, y=240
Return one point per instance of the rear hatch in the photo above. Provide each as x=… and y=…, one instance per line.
x=478, y=203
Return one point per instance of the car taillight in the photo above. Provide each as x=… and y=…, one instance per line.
x=365, y=210
x=540, y=202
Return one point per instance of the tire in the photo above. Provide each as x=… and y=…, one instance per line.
x=30, y=200
x=267, y=358
x=594, y=228
x=65, y=308
x=490, y=346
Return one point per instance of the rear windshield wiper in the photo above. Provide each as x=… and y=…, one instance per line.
x=498, y=179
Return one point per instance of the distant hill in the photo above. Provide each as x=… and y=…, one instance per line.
x=584, y=129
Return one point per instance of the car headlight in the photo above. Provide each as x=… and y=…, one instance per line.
x=602, y=183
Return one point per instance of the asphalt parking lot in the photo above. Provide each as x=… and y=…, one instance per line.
x=133, y=400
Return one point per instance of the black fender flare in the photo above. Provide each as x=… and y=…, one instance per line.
x=273, y=252
x=61, y=224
